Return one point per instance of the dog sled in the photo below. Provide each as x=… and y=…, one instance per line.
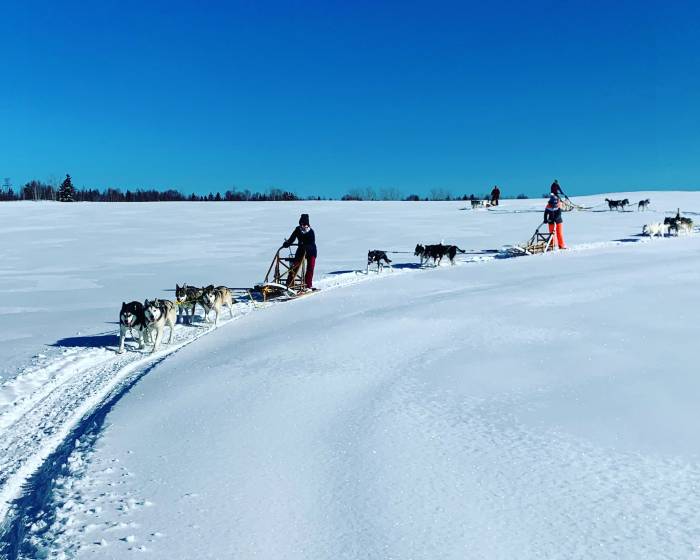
x=540, y=242
x=481, y=203
x=568, y=206
x=285, y=276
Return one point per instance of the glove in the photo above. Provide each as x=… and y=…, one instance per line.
x=286, y=244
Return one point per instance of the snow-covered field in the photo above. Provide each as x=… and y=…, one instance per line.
x=536, y=407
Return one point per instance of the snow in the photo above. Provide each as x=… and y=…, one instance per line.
x=529, y=407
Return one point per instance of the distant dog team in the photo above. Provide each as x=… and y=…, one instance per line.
x=617, y=204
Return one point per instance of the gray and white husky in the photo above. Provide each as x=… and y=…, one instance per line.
x=187, y=298
x=159, y=314
x=132, y=318
x=216, y=298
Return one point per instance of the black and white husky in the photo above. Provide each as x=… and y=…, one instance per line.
x=378, y=257
x=132, y=318
x=159, y=314
x=216, y=298
x=187, y=298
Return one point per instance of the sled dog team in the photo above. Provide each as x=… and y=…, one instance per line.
x=671, y=225
x=147, y=321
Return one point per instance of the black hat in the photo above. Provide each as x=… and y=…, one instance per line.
x=304, y=220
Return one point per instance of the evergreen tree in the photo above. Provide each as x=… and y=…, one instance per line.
x=66, y=192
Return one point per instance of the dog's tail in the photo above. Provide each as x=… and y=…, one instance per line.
x=460, y=250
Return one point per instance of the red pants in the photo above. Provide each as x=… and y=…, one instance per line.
x=309, y=278
x=558, y=231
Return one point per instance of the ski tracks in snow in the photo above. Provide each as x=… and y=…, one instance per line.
x=40, y=407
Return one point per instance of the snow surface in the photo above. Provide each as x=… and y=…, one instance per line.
x=537, y=407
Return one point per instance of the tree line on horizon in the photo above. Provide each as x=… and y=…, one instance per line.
x=67, y=192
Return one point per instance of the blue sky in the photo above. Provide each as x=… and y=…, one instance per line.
x=323, y=97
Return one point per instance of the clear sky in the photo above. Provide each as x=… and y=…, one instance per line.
x=323, y=97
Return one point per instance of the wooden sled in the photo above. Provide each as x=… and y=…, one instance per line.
x=285, y=277
x=539, y=242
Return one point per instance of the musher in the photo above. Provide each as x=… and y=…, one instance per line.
x=552, y=217
x=306, y=238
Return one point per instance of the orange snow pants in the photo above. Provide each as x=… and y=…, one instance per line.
x=558, y=231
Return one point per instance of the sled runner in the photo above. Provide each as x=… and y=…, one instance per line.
x=285, y=277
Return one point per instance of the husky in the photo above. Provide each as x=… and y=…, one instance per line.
x=187, y=298
x=437, y=252
x=617, y=204
x=132, y=318
x=656, y=229
x=678, y=223
x=643, y=204
x=159, y=314
x=378, y=257
x=684, y=225
x=216, y=298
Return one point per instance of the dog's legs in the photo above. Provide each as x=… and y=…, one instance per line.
x=172, y=328
x=156, y=344
x=230, y=309
x=122, y=335
x=142, y=334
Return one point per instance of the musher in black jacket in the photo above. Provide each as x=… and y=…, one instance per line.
x=306, y=238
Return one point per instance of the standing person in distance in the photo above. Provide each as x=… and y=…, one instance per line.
x=495, y=195
x=553, y=219
x=306, y=250
x=555, y=189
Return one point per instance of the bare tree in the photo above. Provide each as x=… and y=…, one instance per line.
x=390, y=193
x=439, y=194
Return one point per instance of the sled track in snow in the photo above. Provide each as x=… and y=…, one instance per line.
x=46, y=409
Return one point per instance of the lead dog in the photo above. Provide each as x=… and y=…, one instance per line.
x=187, y=298
x=159, y=314
x=643, y=204
x=378, y=257
x=132, y=318
x=216, y=298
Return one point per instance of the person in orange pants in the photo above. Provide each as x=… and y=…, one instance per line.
x=553, y=219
